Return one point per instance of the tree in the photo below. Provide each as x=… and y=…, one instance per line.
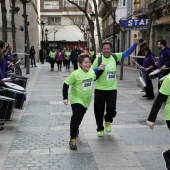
x=4, y=20
x=90, y=22
x=108, y=6
x=14, y=10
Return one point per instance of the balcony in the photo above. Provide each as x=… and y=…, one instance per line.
x=108, y=31
x=140, y=12
x=158, y=4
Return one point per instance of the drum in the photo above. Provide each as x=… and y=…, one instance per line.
x=154, y=74
x=19, y=96
x=6, y=107
x=14, y=86
x=22, y=81
x=141, y=82
x=162, y=79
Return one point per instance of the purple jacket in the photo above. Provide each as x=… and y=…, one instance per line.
x=59, y=55
x=148, y=61
x=164, y=58
x=3, y=66
x=1, y=74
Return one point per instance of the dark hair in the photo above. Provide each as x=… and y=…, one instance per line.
x=108, y=43
x=146, y=49
x=2, y=43
x=162, y=42
x=141, y=40
x=32, y=47
x=82, y=56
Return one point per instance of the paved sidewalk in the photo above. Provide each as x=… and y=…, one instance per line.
x=38, y=136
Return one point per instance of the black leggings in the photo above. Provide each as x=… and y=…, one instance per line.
x=78, y=114
x=59, y=64
x=168, y=123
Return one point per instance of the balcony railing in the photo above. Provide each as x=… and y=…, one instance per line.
x=139, y=11
x=157, y=4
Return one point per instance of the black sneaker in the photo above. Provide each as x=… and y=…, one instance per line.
x=72, y=144
x=167, y=159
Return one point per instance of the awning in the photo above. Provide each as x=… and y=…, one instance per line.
x=66, y=33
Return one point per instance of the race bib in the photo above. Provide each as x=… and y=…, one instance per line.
x=111, y=75
x=87, y=84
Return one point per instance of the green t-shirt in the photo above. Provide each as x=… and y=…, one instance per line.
x=165, y=89
x=81, y=86
x=107, y=81
x=92, y=54
x=52, y=54
x=67, y=55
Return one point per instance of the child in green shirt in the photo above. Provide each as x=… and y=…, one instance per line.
x=81, y=82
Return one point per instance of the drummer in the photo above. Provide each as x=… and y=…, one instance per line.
x=149, y=65
x=164, y=59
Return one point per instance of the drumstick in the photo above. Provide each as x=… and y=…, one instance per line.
x=138, y=64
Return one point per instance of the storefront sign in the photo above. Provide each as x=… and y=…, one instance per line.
x=134, y=23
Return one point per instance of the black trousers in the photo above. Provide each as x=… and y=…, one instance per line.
x=33, y=60
x=59, y=64
x=67, y=63
x=78, y=114
x=104, y=98
x=52, y=61
x=149, y=86
x=75, y=65
x=168, y=151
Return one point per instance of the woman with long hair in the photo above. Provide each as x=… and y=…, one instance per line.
x=32, y=56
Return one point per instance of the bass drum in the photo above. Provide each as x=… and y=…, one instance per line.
x=19, y=96
x=22, y=81
x=154, y=74
x=6, y=107
x=14, y=86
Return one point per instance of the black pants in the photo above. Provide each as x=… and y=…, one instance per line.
x=75, y=65
x=78, y=114
x=52, y=61
x=67, y=63
x=33, y=60
x=102, y=98
x=59, y=64
x=149, y=86
x=42, y=59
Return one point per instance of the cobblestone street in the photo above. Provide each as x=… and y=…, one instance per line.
x=37, y=137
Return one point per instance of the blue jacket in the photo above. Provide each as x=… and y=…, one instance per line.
x=164, y=58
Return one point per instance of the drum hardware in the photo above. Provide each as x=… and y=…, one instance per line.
x=154, y=73
x=6, y=107
x=162, y=79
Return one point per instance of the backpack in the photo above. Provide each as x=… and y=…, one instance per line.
x=100, y=61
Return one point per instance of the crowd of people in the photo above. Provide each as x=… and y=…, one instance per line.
x=65, y=56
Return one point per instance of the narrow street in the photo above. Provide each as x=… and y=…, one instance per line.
x=38, y=136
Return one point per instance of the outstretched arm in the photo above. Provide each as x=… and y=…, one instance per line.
x=155, y=109
x=129, y=50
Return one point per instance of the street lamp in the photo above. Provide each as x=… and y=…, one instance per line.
x=92, y=16
x=54, y=36
x=46, y=33
x=42, y=33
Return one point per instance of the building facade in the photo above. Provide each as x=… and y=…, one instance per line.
x=33, y=12
x=64, y=22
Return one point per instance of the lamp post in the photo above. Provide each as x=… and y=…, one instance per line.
x=46, y=33
x=92, y=15
x=42, y=34
x=27, y=43
x=54, y=36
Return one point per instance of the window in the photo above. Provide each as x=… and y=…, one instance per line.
x=54, y=20
x=79, y=2
x=51, y=4
x=78, y=19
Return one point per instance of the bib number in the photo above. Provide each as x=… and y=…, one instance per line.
x=87, y=84
x=111, y=75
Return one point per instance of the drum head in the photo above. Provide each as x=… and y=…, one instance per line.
x=14, y=86
x=6, y=98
